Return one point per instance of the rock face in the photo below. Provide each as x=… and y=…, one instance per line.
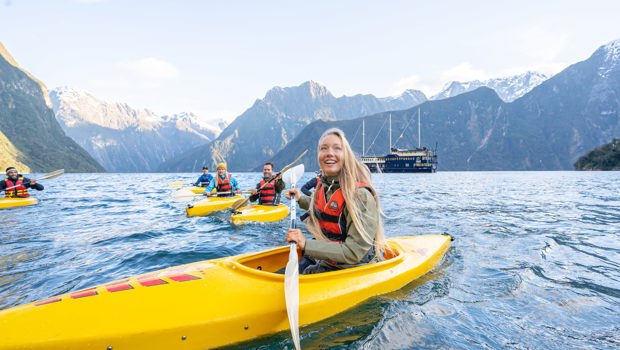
x=605, y=157
x=124, y=139
x=30, y=137
x=548, y=128
x=271, y=123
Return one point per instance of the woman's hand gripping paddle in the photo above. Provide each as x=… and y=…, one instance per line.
x=291, y=274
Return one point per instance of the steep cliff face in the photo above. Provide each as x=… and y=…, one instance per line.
x=124, y=139
x=266, y=127
x=33, y=137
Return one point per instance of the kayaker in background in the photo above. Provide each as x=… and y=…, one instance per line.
x=224, y=184
x=15, y=185
x=205, y=179
x=345, y=235
x=311, y=184
x=268, y=190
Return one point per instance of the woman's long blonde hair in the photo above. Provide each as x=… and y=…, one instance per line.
x=352, y=172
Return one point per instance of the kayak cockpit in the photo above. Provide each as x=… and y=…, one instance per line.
x=274, y=261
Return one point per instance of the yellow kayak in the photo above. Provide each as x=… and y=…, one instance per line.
x=208, y=205
x=197, y=189
x=208, y=304
x=6, y=203
x=262, y=213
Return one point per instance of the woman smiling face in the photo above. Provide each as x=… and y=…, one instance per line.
x=331, y=155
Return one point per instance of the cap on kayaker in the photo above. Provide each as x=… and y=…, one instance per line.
x=205, y=168
x=221, y=166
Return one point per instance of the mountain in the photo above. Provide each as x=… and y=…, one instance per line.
x=30, y=137
x=605, y=157
x=508, y=88
x=266, y=127
x=548, y=128
x=124, y=139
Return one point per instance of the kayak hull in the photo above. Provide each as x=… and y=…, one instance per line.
x=211, y=204
x=197, y=189
x=6, y=203
x=210, y=303
x=260, y=213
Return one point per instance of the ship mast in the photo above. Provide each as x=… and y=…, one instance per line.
x=419, y=139
x=390, y=145
x=363, y=138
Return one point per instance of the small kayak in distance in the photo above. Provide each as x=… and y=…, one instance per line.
x=210, y=303
x=261, y=213
x=6, y=202
x=210, y=204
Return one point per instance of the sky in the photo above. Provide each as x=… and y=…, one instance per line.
x=215, y=58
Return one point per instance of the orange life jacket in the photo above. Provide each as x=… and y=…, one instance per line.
x=330, y=213
x=224, y=185
x=267, y=194
x=19, y=191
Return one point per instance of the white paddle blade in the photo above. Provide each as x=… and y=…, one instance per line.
x=291, y=294
x=184, y=194
x=177, y=184
x=292, y=175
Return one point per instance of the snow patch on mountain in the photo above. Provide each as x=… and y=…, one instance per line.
x=611, y=59
x=508, y=88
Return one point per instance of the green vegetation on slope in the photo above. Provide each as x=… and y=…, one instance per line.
x=606, y=157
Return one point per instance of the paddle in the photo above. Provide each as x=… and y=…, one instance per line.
x=291, y=274
x=51, y=175
x=241, y=202
x=179, y=183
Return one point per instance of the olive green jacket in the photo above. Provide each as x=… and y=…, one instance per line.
x=352, y=250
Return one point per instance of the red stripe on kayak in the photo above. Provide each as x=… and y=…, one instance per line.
x=149, y=282
x=182, y=277
x=47, y=301
x=118, y=286
x=84, y=293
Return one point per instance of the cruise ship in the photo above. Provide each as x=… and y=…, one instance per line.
x=418, y=160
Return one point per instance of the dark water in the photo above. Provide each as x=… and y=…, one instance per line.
x=535, y=263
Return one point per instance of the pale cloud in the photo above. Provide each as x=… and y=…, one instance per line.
x=149, y=68
x=89, y=1
x=463, y=72
x=410, y=82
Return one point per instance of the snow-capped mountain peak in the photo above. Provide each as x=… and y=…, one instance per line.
x=508, y=88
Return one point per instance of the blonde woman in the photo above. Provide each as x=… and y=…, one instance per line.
x=344, y=211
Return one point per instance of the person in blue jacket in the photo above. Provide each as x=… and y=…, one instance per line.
x=205, y=179
x=311, y=184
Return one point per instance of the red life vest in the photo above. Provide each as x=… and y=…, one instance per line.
x=19, y=191
x=330, y=213
x=267, y=194
x=224, y=185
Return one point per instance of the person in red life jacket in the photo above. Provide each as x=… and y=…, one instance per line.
x=268, y=190
x=224, y=184
x=15, y=185
x=344, y=212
